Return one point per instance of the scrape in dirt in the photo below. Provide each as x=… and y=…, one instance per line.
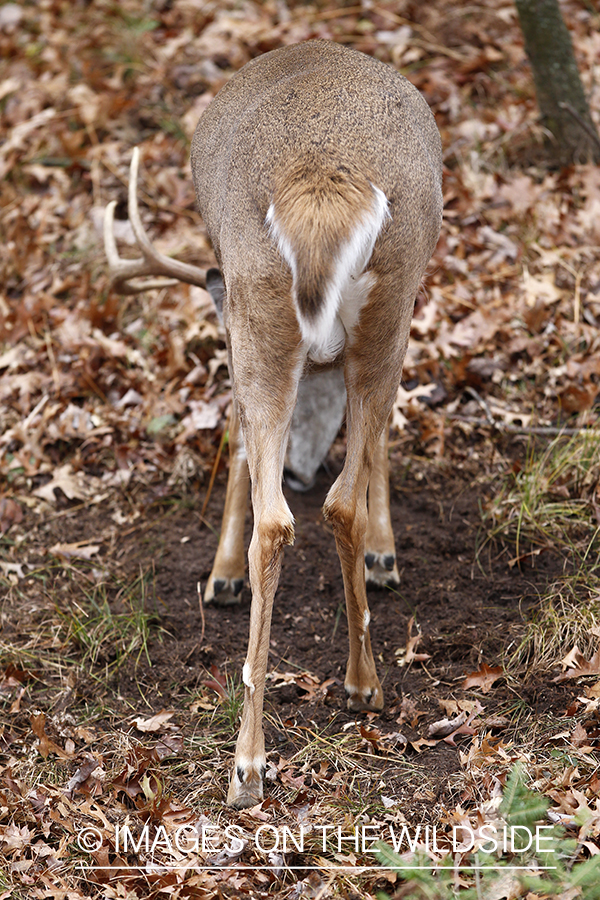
x=468, y=612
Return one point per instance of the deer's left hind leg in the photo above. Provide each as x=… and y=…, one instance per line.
x=380, y=554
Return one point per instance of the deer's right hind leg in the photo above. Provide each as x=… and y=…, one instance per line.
x=380, y=553
x=227, y=577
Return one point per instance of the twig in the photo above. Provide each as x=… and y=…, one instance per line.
x=482, y=404
x=549, y=430
x=36, y=409
x=214, y=469
x=201, y=605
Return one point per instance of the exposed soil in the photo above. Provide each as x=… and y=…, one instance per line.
x=468, y=613
x=103, y=397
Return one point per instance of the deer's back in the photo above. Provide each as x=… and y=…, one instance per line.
x=320, y=102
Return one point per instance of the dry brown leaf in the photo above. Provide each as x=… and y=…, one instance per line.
x=71, y=483
x=218, y=682
x=593, y=691
x=579, y=736
x=483, y=679
x=78, y=550
x=82, y=777
x=15, y=838
x=154, y=723
x=45, y=745
x=10, y=514
x=577, y=665
x=407, y=655
x=421, y=744
x=409, y=712
x=444, y=727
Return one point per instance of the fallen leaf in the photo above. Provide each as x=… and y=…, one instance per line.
x=79, y=550
x=154, y=723
x=443, y=727
x=408, y=655
x=579, y=737
x=71, y=483
x=10, y=514
x=45, y=745
x=578, y=665
x=483, y=679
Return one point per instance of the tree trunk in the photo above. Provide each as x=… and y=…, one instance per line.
x=562, y=102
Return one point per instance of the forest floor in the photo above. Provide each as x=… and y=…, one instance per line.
x=120, y=694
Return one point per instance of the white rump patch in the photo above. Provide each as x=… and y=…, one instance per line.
x=347, y=290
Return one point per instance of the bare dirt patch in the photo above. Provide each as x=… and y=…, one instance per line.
x=469, y=611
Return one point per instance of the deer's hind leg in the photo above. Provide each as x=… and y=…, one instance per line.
x=372, y=370
x=380, y=554
x=266, y=376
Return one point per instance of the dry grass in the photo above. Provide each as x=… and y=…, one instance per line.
x=550, y=505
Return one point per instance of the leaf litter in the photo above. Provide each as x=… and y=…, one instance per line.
x=110, y=408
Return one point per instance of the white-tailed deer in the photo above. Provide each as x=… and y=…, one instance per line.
x=318, y=174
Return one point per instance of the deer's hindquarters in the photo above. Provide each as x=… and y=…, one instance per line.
x=318, y=175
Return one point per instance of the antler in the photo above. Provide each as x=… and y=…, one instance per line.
x=152, y=262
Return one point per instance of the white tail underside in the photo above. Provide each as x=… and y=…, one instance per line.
x=348, y=289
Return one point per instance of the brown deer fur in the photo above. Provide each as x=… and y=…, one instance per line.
x=318, y=174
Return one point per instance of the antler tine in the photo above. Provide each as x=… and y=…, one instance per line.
x=152, y=262
x=123, y=270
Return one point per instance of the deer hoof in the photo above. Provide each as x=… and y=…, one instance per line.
x=381, y=569
x=224, y=591
x=367, y=700
x=246, y=785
